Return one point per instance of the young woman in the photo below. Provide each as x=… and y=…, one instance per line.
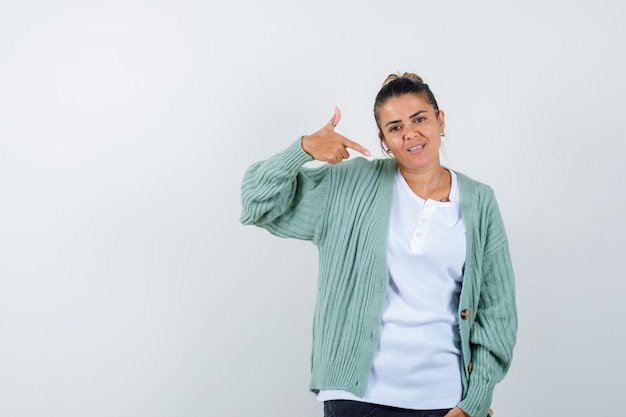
x=415, y=312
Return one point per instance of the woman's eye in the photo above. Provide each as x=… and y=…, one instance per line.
x=420, y=119
x=394, y=128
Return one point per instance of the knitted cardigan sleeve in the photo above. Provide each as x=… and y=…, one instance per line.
x=278, y=194
x=493, y=331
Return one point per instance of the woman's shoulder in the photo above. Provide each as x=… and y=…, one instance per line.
x=475, y=193
x=468, y=183
x=363, y=170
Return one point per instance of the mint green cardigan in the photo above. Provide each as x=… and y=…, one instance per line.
x=344, y=210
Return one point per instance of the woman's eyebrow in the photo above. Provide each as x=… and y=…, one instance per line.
x=410, y=117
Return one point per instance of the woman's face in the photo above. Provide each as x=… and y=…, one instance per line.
x=412, y=131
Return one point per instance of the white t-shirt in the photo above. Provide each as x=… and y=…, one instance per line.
x=417, y=364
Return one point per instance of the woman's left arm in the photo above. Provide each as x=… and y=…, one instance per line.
x=494, y=329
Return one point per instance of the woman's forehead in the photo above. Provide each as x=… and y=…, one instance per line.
x=406, y=104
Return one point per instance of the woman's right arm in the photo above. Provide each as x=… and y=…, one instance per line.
x=281, y=196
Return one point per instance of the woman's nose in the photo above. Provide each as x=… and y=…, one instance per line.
x=411, y=133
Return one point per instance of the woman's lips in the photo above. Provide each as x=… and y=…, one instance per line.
x=417, y=148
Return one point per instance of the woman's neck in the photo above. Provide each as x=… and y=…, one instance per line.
x=432, y=183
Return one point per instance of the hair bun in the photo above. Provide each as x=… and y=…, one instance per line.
x=397, y=75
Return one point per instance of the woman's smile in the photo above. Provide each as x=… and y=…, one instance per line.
x=417, y=148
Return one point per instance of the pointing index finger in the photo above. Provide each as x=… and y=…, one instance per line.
x=357, y=147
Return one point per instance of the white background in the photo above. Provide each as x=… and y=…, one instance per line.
x=128, y=286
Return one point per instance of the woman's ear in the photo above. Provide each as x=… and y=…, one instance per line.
x=442, y=119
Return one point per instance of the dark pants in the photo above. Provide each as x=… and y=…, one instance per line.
x=347, y=408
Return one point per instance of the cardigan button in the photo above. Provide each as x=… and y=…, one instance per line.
x=470, y=368
x=465, y=313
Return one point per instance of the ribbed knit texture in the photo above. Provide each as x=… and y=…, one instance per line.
x=344, y=209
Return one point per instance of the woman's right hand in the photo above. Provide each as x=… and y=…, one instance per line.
x=327, y=146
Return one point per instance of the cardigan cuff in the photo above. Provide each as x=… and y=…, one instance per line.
x=294, y=156
x=478, y=399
